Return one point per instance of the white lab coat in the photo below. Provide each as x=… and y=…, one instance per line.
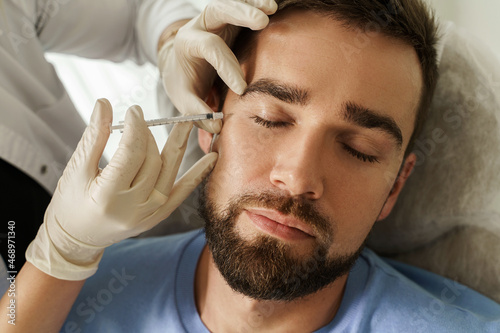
x=39, y=125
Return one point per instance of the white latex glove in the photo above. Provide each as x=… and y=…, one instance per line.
x=92, y=209
x=186, y=61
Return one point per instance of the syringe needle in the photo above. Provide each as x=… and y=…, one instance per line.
x=173, y=120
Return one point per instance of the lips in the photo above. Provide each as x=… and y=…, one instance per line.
x=279, y=225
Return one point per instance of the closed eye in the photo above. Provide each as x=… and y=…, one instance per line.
x=269, y=123
x=280, y=124
x=360, y=156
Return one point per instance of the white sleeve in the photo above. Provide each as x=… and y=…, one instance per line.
x=154, y=16
x=105, y=29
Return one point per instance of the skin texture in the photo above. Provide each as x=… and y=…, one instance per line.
x=314, y=153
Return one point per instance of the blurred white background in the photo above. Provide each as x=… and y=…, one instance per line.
x=126, y=84
x=480, y=17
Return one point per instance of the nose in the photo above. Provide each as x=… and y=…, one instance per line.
x=299, y=170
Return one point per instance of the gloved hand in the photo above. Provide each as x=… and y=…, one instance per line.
x=186, y=61
x=92, y=209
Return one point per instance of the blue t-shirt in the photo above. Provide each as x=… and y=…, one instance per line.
x=146, y=285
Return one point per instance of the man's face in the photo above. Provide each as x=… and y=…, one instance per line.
x=309, y=155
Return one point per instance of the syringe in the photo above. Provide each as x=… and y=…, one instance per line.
x=173, y=120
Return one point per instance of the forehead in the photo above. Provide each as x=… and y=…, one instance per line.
x=336, y=65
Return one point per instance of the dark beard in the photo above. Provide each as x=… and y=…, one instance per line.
x=265, y=269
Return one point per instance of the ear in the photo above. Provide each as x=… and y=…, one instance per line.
x=398, y=185
x=204, y=137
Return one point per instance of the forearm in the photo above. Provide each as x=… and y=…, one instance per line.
x=42, y=302
x=109, y=29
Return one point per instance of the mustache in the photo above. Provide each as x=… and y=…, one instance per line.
x=296, y=206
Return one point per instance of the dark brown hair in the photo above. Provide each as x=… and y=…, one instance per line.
x=409, y=21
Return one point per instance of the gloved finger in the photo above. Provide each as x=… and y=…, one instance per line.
x=130, y=155
x=218, y=14
x=215, y=51
x=171, y=156
x=212, y=126
x=90, y=148
x=147, y=176
x=198, y=106
x=267, y=6
x=188, y=182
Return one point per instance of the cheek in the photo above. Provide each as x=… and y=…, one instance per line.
x=354, y=202
x=243, y=164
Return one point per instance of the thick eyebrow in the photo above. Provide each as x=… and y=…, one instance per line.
x=352, y=112
x=283, y=92
x=364, y=117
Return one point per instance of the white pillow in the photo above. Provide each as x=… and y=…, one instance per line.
x=455, y=187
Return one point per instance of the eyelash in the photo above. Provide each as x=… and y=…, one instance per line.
x=269, y=123
x=360, y=156
x=278, y=124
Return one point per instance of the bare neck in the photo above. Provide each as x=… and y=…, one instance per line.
x=223, y=310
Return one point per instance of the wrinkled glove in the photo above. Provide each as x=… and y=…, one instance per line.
x=186, y=61
x=92, y=209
